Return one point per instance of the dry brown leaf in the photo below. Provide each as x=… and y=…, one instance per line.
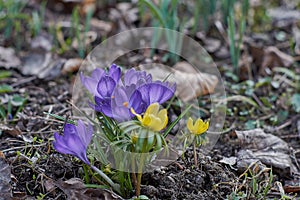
x=270, y=57
x=71, y=65
x=190, y=83
x=87, y=6
x=100, y=25
x=256, y=145
x=212, y=45
x=274, y=57
x=15, y=132
x=76, y=190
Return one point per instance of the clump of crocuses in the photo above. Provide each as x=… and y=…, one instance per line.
x=128, y=110
x=130, y=115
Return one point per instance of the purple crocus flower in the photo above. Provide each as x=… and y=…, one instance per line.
x=136, y=78
x=74, y=141
x=101, y=83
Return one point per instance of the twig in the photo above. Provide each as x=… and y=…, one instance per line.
x=21, y=147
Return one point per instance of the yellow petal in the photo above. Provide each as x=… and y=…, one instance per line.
x=153, y=109
x=147, y=120
x=190, y=124
x=199, y=123
x=163, y=116
x=137, y=115
x=155, y=123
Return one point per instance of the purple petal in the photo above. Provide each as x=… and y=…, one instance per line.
x=84, y=134
x=121, y=113
x=106, y=86
x=130, y=77
x=120, y=96
x=106, y=108
x=137, y=78
x=90, y=83
x=156, y=92
x=69, y=130
x=137, y=103
x=115, y=72
x=60, y=145
x=97, y=74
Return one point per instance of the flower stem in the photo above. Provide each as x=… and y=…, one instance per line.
x=139, y=175
x=195, y=155
x=115, y=186
x=133, y=172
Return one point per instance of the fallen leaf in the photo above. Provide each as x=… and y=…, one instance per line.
x=270, y=57
x=274, y=57
x=34, y=63
x=8, y=58
x=190, y=83
x=283, y=17
x=43, y=41
x=229, y=161
x=86, y=37
x=101, y=26
x=42, y=65
x=71, y=65
x=75, y=189
x=87, y=6
x=256, y=145
x=49, y=185
x=124, y=15
x=5, y=187
x=15, y=132
x=212, y=45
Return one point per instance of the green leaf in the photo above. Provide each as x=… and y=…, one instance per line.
x=17, y=100
x=295, y=101
x=158, y=145
x=150, y=141
x=2, y=112
x=167, y=131
x=250, y=124
x=155, y=11
x=4, y=88
x=4, y=74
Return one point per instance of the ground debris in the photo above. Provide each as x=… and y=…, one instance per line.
x=256, y=145
x=5, y=173
x=75, y=189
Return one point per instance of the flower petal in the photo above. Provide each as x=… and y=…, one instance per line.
x=136, y=102
x=156, y=92
x=106, y=86
x=152, y=109
x=84, y=134
x=190, y=124
x=163, y=116
x=114, y=72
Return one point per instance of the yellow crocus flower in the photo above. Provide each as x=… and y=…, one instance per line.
x=199, y=127
x=153, y=118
